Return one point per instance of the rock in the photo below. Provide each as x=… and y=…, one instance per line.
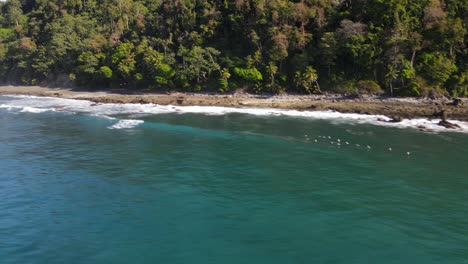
x=180, y=100
x=396, y=119
x=448, y=124
x=444, y=122
x=441, y=114
x=457, y=102
x=393, y=119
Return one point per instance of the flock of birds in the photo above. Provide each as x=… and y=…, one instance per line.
x=339, y=143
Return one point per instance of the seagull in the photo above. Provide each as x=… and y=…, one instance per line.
x=368, y=147
x=357, y=145
x=390, y=149
x=408, y=153
x=316, y=141
x=347, y=143
x=339, y=140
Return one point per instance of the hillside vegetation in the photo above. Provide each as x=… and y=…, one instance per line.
x=400, y=47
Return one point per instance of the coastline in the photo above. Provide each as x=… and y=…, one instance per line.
x=408, y=108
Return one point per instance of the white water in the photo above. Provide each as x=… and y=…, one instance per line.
x=34, y=104
x=126, y=123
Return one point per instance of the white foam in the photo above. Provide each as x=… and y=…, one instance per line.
x=126, y=124
x=25, y=109
x=35, y=110
x=38, y=104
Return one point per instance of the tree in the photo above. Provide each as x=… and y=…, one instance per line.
x=272, y=70
x=405, y=44
x=123, y=60
x=308, y=80
x=310, y=75
x=328, y=50
x=436, y=67
x=392, y=75
x=13, y=11
x=197, y=64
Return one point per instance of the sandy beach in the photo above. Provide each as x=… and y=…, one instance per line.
x=391, y=107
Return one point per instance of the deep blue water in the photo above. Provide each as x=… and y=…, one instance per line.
x=234, y=188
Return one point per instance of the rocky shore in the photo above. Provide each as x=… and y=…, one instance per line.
x=396, y=108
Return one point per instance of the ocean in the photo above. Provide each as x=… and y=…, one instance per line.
x=108, y=183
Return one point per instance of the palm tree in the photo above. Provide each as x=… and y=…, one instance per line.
x=225, y=75
x=392, y=75
x=272, y=70
x=311, y=76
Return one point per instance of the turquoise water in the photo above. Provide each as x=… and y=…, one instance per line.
x=233, y=188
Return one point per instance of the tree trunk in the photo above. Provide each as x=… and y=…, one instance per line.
x=391, y=88
x=318, y=86
x=413, y=57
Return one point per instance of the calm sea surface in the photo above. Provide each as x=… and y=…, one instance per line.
x=234, y=188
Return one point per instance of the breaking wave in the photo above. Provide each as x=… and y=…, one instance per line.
x=35, y=104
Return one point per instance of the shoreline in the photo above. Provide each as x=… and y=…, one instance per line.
x=408, y=108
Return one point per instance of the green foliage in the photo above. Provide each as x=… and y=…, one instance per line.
x=105, y=72
x=347, y=87
x=223, y=85
x=197, y=65
x=436, y=68
x=249, y=75
x=123, y=58
x=3, y=52
x=307, y=81
x=368, y=87
x=458, y=84
x=406, y=47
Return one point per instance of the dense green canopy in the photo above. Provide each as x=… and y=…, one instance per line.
x=405, y=47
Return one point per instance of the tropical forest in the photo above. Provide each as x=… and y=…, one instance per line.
x=391, y=47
